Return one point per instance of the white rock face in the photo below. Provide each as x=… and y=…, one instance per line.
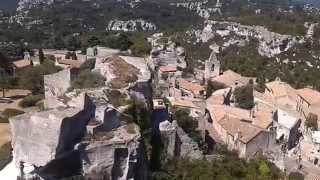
x=177, y=142
x=165, y=52
x=131, y=25
x=270, y=43
x=28, y=4
x=201, y=7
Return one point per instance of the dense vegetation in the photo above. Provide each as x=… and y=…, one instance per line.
x=282, y=16
x=224, y=166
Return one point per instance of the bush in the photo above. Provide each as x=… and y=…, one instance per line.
x=4, y=119
x=138, y=113
x=30, y=101
x=312, y=122
x=187, y=123
x=131, y=128
x=5, y=154
x=11, y=112
x=116, y=98
x=88, y=79
x=296, y=176
x=32, y=77
x=214, y=86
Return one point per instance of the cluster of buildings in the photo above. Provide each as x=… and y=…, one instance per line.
x=81, y=129
x=275, y=126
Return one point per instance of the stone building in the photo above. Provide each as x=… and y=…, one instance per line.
x=241, y=130
x=231, y=79
x=308, y=102
x=287, y=128
x=190, y=89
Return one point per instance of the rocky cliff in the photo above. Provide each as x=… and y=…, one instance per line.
x=270, y=43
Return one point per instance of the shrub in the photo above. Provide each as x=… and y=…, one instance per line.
x=312, y=122
x=11, y=112
x=5, y=154
x=296, y=176
x=88, y=79
x=213, y=86
x=131, y=128
x=4, y=119
x=187, y=123
x=30, y=101
x=116, y=98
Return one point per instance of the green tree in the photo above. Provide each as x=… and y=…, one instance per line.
x=32, y=77
x=186, y=122
x=88, y=79
x=5, y=83
x=139, y=113
x=244, y=96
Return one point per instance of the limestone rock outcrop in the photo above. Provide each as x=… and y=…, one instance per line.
x=177, y=143
x=270, y=43
x=131, y=25
x=165, y=52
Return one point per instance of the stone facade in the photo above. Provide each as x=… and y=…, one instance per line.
x=177, y=143
x=55, y=86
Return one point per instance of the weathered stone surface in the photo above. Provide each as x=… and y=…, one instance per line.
x=119, y=153
x=131, y=25
x=38, y=138
x=270, y=43
x=165, y=52
x=177, y=143
x=55, y=85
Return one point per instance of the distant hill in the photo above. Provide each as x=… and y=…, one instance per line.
x=316, y=3
x=8, y=4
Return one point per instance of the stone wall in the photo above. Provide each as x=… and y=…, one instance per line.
x=120, y=156
x=177, y=143
x=55, y=85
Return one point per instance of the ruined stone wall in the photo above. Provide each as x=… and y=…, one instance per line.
x=177, y=143
x=55, y=85
x=120, y=157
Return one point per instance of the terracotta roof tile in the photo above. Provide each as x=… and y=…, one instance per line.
x=218, y=97
x=243, y=128
x=310, y=95
x=281, y=89
x=22, y=63
x=70, y=62
x=190, y=86
x=183, y=102
x=231, y=78
x=168, y=68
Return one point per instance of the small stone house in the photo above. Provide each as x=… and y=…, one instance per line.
x=239, y=129
x=308, y=101
x=190, y=89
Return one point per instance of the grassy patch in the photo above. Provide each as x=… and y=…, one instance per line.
x=5, y=154
x=30, y=101
x=131, y=128
x=11, y=112
x=116, y=98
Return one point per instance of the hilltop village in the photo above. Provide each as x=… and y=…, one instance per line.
x=95, y=127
